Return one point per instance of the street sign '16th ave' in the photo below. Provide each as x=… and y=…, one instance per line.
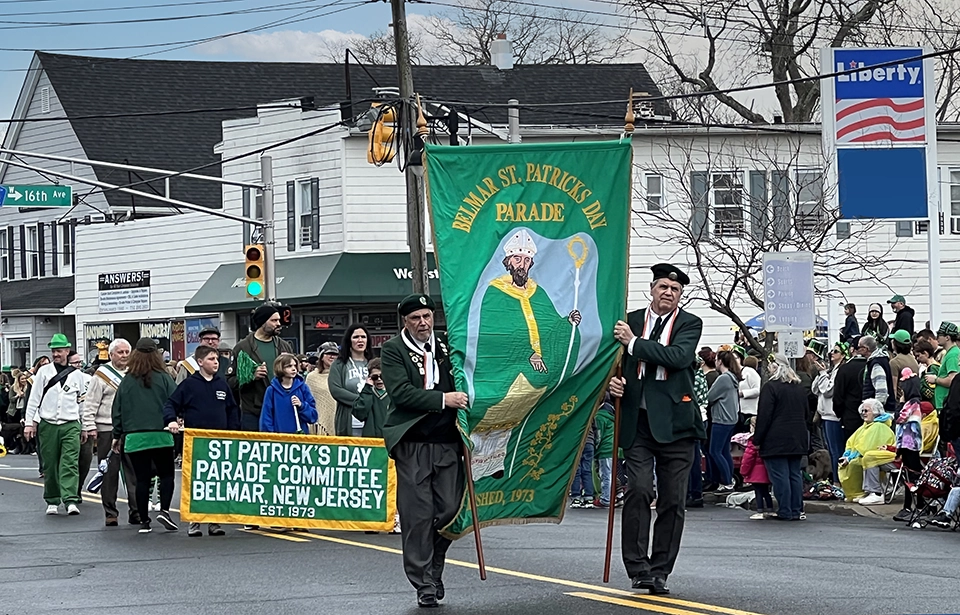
x=36, y=196
x=788, y=291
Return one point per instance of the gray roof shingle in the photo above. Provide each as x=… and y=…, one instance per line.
x=95, y=86
x=40, y=295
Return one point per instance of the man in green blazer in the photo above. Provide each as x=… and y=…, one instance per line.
x=659, y=423
x=421, y=435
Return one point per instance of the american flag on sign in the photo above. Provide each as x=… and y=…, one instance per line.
x=880, y=119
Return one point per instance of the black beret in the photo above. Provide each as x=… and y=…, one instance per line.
x=666, y=270
x=412, y=303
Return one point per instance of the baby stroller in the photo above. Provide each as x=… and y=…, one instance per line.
x=933, y=485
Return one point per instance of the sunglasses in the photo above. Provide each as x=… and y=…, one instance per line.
x=375, y=377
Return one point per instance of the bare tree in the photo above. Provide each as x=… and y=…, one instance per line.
x=742, y=41
x=464, y=36
x=750, y=194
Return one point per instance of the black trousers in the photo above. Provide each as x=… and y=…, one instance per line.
x=111, y=480
x=672, y=464
x=429, y=492
x=145, y=463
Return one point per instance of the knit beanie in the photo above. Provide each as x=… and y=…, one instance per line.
x=261, y=315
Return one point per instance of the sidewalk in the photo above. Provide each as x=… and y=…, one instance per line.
x=850, y=509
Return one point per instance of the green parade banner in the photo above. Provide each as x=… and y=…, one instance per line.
x=532, y=246
x=287, y=480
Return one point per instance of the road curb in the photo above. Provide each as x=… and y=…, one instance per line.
x=848, y=509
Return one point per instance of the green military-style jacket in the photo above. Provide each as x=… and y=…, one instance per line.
x=672, y=409
x=403, y=378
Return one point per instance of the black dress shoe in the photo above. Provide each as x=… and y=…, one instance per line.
x=440, y=592
x=659, y=587
x=427, y=601
x=134, y=519
x=643, y=581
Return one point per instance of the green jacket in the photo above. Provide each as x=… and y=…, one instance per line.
x=137, y=408
x=372, y=410
x=672, y=409
x=604, y=423
x=409, y=401
x=251, y=393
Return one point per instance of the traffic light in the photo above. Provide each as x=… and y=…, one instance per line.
x=254, y=272
x=382, y=136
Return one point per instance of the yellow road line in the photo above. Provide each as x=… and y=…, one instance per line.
x=277, y=535
x=635, y=604
x=86, y=495
x=306, y=537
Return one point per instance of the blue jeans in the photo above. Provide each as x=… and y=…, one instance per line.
x=787, y=479
x=583, y=478
x=720, y=452
x=606, y=468
x=953, y=501
x=695, y=490
x=836, y=443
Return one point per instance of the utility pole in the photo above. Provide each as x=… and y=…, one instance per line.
x=269, y=245
x=408, y=128
x=513, y=121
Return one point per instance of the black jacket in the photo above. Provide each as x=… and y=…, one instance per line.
x=851, y=329
x=848, y=393
x=781, y=420
x=904, y=320
x=203, y=404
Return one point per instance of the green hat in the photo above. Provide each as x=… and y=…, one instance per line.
x=948, y=328
x=901, y=335
x=740, y=350
x=816, y=347
x=5, y=369
x=59, y=340
x=414, y=302
x=845, y=349
x=897, y=299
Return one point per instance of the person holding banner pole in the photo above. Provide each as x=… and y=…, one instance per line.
x=138, y=420
x=204, y=401
x=421, y=435
x=659, y=423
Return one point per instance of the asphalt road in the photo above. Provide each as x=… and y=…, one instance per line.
x=728, y=565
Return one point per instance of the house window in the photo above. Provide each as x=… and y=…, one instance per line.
x=904, y=228
x=843, y=230
x=33, y=255
x=4, y=255
x=811, y=214
x=305, y=213
x=66, y=249
x=955, y=192
x=726, y=194
x=653, y=184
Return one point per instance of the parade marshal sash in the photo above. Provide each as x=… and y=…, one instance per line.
x=190, y=364
x=531, y=244
x=287, y=480
x=110, y=376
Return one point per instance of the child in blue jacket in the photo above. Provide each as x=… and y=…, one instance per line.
x=288, y=405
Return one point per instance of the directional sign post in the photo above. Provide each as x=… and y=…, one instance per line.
x=788, y=291
x=36, y=196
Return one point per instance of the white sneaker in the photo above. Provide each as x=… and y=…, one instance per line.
x=396, y=524
x=73, y=509
x=871, y=500
x=53, y=509
x=757, y=517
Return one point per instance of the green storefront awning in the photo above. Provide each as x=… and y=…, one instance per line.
x=334, y=278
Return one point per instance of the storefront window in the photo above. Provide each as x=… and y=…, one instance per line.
x=320, y=327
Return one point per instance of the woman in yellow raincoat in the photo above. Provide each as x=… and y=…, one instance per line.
x=866, y=448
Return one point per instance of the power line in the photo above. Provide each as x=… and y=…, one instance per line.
x=134, y=114
x=29, y=25
x=704, y=93
x=183, y=44
x=108, y=9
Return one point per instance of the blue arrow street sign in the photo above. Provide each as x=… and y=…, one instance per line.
x=36, y=196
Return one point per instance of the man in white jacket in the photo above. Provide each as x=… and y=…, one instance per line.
x=53, y=410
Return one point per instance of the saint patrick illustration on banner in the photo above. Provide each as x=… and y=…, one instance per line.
x=531, y=244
